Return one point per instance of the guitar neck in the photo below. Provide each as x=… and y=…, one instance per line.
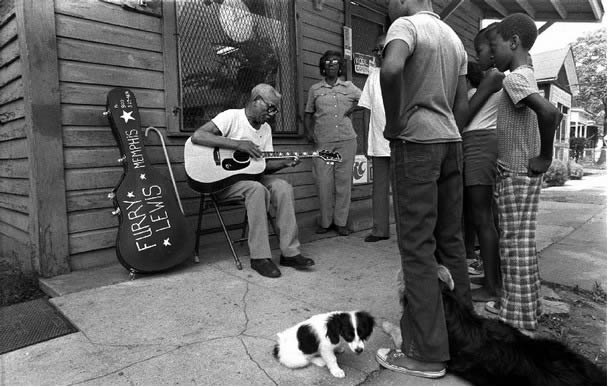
x=287, y=155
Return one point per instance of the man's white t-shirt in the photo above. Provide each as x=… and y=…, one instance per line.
x=371, y=98
x=233, y=123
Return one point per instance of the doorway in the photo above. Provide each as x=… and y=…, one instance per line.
x=368, y=21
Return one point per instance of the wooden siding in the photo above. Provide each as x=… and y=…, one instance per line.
x=101, y=46
x=320, y=31
x=465, y=21
x=14, y=182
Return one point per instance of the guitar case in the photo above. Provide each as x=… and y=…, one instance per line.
x=153, y=234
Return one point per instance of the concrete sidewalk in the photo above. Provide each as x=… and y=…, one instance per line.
x=211, y=324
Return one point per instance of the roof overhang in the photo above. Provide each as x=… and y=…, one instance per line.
x=544, y=10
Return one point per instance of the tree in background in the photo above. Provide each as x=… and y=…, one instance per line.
x=590, y=58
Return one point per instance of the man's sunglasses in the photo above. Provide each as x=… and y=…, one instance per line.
x=378, y=49
x=270, y=108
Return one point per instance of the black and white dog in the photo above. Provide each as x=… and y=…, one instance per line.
x=490, y=352
x=316, y=339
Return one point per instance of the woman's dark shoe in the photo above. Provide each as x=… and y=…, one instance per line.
x=265, y=267
x=297, y=261
x=374, y=238
x=322, y=230
x=342, y=230
x=478, y=280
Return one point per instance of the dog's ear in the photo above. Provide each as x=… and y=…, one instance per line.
x=334, y=325
x=444, y=275
x=365, y=324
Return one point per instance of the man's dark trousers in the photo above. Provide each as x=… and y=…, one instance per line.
x=427, y=196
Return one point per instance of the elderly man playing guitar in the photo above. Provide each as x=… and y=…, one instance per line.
x=247, y=131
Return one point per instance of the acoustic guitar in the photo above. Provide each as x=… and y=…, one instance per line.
x=214, y=168
x=153, y=234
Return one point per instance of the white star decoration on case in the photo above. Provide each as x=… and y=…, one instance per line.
x=127, y=116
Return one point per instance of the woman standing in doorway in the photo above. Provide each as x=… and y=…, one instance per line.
x=327, y=123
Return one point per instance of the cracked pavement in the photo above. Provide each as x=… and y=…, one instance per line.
x=211, y=324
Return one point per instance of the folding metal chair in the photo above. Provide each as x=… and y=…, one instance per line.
x=217, y=204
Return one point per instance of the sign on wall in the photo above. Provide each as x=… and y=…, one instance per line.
x=361, y=170
x=363, y=62
x=348, y=42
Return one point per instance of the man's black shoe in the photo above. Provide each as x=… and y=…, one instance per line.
x=374, y=238
x=265, y=267
x=297, y=261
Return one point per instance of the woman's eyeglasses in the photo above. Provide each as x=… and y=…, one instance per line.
x=270, y=108
x=332, y=61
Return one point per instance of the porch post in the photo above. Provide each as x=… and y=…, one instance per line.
x=48, y=210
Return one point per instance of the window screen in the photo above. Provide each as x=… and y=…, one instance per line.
x=226, y=47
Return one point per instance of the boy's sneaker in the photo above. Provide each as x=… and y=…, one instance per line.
x=475, y=266
x=393, y=359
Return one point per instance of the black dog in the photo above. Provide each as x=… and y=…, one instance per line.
x=490, y=352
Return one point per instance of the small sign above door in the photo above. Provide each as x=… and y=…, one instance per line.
x=363, y=62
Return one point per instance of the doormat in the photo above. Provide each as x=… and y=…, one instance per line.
x=29, y=323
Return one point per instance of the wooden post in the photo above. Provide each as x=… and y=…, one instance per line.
x=173, y=109
x=348, y=23
x=48, y=210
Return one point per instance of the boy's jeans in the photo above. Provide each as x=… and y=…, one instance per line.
x=427, y=195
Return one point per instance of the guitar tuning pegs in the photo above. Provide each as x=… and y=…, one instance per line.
x=122, y=159
x=106, y=113
x=111, y=195
x=116, y=212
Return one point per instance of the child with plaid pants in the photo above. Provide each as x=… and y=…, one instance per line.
x=526, y=124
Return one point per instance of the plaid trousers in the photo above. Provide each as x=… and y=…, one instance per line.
x=518, y=198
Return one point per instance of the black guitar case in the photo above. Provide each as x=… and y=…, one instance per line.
x=153, y=234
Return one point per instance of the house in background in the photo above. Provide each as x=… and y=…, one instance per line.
x=555, y=73
x=582, y=124
x=185, y=61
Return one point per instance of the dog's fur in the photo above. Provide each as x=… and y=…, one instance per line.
x=489, y=352
x=316, y=339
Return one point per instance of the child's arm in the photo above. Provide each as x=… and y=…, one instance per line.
x=548, y=120
x=490, y=84
x=461, y=103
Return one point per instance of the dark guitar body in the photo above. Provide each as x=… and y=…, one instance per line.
x=153, y=233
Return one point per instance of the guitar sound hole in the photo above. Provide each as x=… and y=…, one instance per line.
x=241, y=157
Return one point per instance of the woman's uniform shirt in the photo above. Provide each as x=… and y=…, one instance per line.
x=328, y=105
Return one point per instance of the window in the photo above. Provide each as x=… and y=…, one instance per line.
x=562, y=131
x=225, y=48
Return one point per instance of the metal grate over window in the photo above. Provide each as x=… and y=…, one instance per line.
x=226, y=47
